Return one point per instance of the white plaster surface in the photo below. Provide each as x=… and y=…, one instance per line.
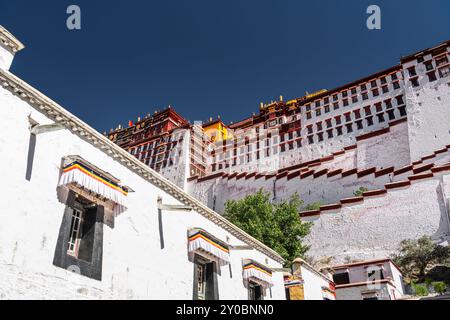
x=374, y=228
x=134, y=265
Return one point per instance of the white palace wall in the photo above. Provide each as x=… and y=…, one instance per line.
x=373, y=228
x=134, y=265
x=380, y=151
x=428, y=108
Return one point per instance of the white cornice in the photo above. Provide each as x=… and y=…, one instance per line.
x=9, y=41
x=311, y=268
x=60, y=115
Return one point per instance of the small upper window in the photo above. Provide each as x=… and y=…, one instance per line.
x=341, y=278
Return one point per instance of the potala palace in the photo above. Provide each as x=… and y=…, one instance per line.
x=388, y=133
x=136, y=213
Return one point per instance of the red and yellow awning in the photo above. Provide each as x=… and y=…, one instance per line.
x=256, y=272
x=206, y=244
x=77, y=171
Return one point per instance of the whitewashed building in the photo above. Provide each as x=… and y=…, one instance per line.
x=83, y=219
x=368, y=280
x=307, y=283
x=374, y=153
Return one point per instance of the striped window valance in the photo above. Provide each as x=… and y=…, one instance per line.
x=80, y=175
x=256, y=272
x=293, y=282
x=209, y=246
x=327, y=293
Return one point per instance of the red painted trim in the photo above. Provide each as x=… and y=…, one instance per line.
x=293, y=175
x=445, y=167
x=250, y=175
x=306, y=174
x=349, y=172
x=431, y=156
x=420, y=176
x=282, y=175
x=359, y=284
x=192, y=178
x=310, y=213
x=326, y=158
x=366, y=172
x=350, y=147
x=423, y=52
x=233, y=175
x=259, y=175
x=364, y=263
x=213, y=176
x=338, y=153
x=441, y=151
x=320, y=173
x=334, y=173
x=315, y=164
x=403, y=170
x=399, y=184
x=374, y=192
x=241, y=175
x=333, y=206
x=352, y=200
x=383, y=172
x=423, y=168
x=348, y=86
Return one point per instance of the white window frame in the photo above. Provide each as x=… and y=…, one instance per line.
x=75, y=232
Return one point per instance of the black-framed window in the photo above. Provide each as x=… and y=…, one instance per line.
x=349, y=127
x=432, y=76
x=391, y=114
x=380, y=117
x=79, y=247
x=341, y=278
x=205, y=279
x=255, y=291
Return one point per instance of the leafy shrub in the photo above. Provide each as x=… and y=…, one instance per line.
x=419, y=290
x=439, y=287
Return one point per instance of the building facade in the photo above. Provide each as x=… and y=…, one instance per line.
x=306, y=283
x=85, y=219
x=368, y=280
x=362, y=151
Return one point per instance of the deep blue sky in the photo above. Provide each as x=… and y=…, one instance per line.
x=208, y=57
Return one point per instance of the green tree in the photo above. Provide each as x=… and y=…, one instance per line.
x=419, y=290
x=439, y=287
x=277, y=225
x=416, y=257
x=360, y=191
